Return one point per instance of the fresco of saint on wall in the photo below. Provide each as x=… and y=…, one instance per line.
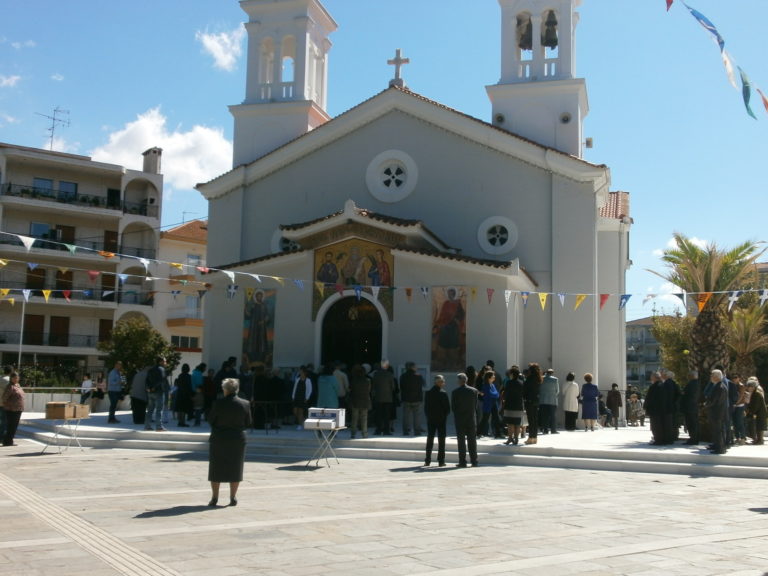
x=354, y=263
x=258, y=326
x=449, y=328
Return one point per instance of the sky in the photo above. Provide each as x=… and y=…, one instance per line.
x=126, y=75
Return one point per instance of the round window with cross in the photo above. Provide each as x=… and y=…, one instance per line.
x=391, y=176
x=497, y=235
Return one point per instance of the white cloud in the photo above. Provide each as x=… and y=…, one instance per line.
x=9, y=81
x=57, y=77
x=61, y=145
x=224, y=47
x=672, y=245
x=25, y=44
x=8, y=119
x=189, y=157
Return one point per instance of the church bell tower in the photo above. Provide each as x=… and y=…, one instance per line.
x=287, y=75
x=538, y=96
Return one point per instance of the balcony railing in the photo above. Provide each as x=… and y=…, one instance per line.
x=78, y=293
x=77, y=199
x=49, y=339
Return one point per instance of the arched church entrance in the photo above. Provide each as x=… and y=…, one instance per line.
x=352, y=332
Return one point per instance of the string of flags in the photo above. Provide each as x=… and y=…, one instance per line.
x=233, y=288
x=728, y=61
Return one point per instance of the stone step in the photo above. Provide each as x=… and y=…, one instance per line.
x=298, y=446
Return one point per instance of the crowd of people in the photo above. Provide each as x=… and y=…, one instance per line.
x=733, y=410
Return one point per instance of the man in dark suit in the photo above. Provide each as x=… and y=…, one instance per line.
x=464, y=402
x=436, y=408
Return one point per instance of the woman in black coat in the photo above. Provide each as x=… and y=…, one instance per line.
x=229, y=418
x=184, y=395
x=531, y=399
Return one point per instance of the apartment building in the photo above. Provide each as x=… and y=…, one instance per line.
x=643, y=352
x=181, y=303
x=78, y=239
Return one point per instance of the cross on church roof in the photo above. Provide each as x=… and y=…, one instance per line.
x=398, y=61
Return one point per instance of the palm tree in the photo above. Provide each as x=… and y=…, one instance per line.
x=710, y=270
x=746, y=335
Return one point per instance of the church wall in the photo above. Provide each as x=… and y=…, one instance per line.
x=225, y=221
x=453, y=172
x=574, y=271
x=611, y=320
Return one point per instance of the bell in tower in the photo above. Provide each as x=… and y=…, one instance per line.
x=524, y=32
x=549, y=37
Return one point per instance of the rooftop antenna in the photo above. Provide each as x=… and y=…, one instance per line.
x=56, y=120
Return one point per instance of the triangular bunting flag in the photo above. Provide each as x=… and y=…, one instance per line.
x=26, y=292
x=561, y=297
x=3, y=263
x=202, y=293
x=229, y=274
x=409, y=293
x=543, y=299
x=375, y=290
x=473, y=293
x=603, y=300
x=424, y=292
x=67, y=294
x=4, y=292
x=255, y=277
x=732, y=299
x=279, y=280
x=669, y=4
x=683, y=298
x=729, y=68
x=320, y=287
x=202, y=269
x=93, y=274
x=707, y=24
x=63, y=270
x=27, y=241
x=106, y=293
x=87, y=293
x=249, y=292
x=72, y=249
x=579, y=299
x=623, y=301
x=176, y=265
x=339, y=289
x=46, y=294
x=299, y=284
x=145, y=262
x=32, y=265
x=106, y=254
x=12, y=301
x=524, y=296
x=702, y=298
x=122, y=278
x=231, y=291
x=358, y=292
x=490, y=292
x=746, y=92
x=507, y=295
x=764, y=98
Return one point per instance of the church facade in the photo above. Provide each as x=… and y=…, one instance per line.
x=407, y=230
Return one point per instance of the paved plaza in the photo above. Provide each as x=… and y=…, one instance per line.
x=117, y=511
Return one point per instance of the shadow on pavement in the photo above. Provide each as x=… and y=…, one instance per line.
x=177, y=511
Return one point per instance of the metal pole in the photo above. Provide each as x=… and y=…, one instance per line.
x=21, y=331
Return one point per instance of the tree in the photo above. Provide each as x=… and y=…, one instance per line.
x=137, y=344
x=673, y=333
x=746, y=335
x=714, y=272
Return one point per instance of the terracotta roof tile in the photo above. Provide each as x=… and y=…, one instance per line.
x=617, y=206
x=194, y=231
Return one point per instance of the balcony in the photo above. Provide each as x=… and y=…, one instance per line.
x=49, y=339
x=184, y=317
x=77, y=199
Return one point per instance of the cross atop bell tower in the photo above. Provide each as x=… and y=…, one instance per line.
x=538, y=95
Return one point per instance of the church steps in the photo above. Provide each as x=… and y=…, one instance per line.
x=297, y=447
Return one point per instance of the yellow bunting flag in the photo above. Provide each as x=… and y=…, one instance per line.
x=702, y=299
x=579, y=299
x=12, y=301
x=46, y=294
x=543, y=299
x=3, y=263
x=473, y=293
x=177, y=265
x=320, y=286
x=249, y=294
x=106, y=254
x=4, y=292
x=409, y=293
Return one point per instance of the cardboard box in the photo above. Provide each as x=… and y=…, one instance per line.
x=82, y=410
x=59, y=410
x=319, y=424
x=337, y=415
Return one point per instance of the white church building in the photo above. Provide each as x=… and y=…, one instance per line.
x=407, y=230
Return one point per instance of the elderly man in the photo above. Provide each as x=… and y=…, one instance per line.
x=383, y=390
x=654, y=409
x=115, y=381
x=464, y=402
x=717, y=411
x=411, y=395
x=436, y=409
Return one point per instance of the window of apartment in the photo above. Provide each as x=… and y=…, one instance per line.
x=113, y=198
x=39, y=230
x=110, y=240
x=192, y=304
x=36, y=279
x=194, y=259
x=67, y=190
x=44, y=185
x=105, y=329
x=185, y=342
